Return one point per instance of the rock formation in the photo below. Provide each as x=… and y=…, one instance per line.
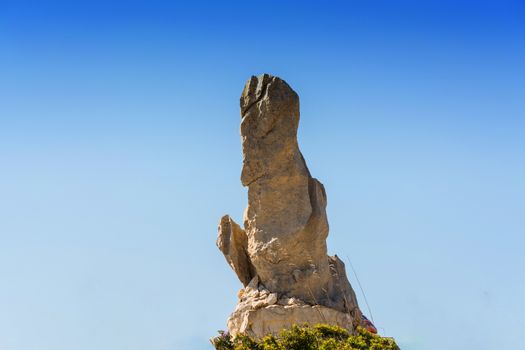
x=281, y=256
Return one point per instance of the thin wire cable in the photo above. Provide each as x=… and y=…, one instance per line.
x=360, y=287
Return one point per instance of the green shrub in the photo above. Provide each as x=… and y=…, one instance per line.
x=318, y=337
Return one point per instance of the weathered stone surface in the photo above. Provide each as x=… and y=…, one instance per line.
x=274, y=318
x=260, y=312
x=282, y=250
x=233, y=243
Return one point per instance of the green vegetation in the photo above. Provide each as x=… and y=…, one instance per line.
x=319, y=337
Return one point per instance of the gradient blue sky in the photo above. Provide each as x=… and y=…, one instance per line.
x=119, y=152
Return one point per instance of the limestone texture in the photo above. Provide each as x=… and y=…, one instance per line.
x=280, y=256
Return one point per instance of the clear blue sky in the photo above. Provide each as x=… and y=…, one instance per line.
x=120, y=151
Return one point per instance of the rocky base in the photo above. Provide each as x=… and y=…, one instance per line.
x=260, y=313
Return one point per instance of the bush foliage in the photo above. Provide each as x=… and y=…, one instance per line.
x=319, y=337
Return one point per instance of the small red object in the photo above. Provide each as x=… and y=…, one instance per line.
x=369, y=326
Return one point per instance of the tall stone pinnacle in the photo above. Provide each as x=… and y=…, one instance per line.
x=281, y=256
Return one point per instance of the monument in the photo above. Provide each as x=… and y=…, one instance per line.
x=280, y=254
